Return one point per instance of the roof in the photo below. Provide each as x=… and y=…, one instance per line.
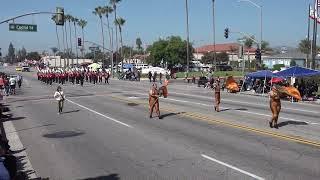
x=227, y=47
x=297, y=72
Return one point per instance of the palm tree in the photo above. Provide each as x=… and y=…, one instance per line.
x=109, y=10
x=66, y=63
x=69, y=18
x=120, y=22
x=82, y=23
x=99, y=11
x=114, y=3
x=54, y=17
x=75, y=21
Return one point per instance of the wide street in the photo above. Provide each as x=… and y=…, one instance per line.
x=105, y=132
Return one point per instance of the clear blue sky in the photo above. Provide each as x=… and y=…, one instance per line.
x=285, y=21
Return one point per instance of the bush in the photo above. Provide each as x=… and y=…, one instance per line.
x=278, y=67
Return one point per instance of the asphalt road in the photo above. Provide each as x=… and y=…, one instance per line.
x=105, y=133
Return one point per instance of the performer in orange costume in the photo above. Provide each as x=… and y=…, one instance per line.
x=275, y=106
x=154, y=101
x=217, y=96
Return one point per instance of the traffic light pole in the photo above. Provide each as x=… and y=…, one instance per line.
x=23, y=15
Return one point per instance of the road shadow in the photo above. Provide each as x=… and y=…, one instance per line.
x=285, y=123
x=64, y=134
x=170, y=114
x=108, y=177
x=133, y=104
x=8, y=117
x=237, y=109
x=68, y=112
x=241, y=109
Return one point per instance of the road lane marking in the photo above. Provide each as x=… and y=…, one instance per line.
x=105, y=116
x=232, y=167
x=205, y=97
x=229, y=124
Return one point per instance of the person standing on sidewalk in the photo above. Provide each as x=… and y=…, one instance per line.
x=60, y=97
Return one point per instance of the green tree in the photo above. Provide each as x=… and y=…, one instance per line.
x=82, y=23
x=108, y=11
x=278, y=67
x=157, y=52
x=33, y=56
x=100, y=11
x=293, y=63
x=305, y=46
x=54, y=50
x=265, y=46
x=249, y=41
x=23, y=54
x=139, y=44
x=11, y=54
x=120, y=22
x=75, y=21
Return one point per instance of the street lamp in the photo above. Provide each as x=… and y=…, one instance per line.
x=259, y=7
x=187, y=23
x=214, y=36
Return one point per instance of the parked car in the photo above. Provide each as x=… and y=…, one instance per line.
x=18, y=68
x=25, y=69
x=202, y=81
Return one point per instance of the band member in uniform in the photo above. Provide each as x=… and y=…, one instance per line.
x=154, y=101
x=216, y=87
x=275, y=106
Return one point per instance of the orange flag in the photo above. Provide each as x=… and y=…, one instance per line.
x=232, y=85
x=293, y=92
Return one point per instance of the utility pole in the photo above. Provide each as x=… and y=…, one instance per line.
x=307, y=60
x=314, y=43
x=214, y=36
x=188, y=56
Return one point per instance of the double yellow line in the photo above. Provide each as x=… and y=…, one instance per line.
x=229, y=124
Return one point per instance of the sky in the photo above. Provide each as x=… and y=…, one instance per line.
x=284, y=21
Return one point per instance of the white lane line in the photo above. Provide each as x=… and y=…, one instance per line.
x=232, y=167
x=204, y=97
x=16, y=145
x=105, y=116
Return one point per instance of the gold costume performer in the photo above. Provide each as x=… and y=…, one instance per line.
x=217, y=96
x=275, y=106
x=154, y=101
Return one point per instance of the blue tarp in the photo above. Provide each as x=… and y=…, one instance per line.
x=297, y=72
x=261, y=74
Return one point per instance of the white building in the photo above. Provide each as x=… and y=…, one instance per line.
x=57, y=61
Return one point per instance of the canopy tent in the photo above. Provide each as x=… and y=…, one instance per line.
x=261, y=74
x=297, y=72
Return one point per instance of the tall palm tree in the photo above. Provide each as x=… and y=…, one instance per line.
x=66, y=63
x=114, y=3
x=54, y=18
x=99, y=11
x=82, y=23
x=120, y=22
x=70, y=17
x=75, y=21
x=108, y=11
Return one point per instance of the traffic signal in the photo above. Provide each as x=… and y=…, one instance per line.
x=226, y=33
x=258, y=54
x=59, y=16
x=79, y=42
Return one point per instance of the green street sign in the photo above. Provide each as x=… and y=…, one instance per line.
x=23, y=27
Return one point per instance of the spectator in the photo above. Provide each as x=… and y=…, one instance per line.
x=150, y=75
x=12, y=82
x=4, y=173
x=160, y=78
x=155, y=76
x=6, y=86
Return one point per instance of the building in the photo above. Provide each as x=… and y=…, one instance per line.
x=57, y=61
x=286, y=57
x=232, y=49
x=137, y=59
